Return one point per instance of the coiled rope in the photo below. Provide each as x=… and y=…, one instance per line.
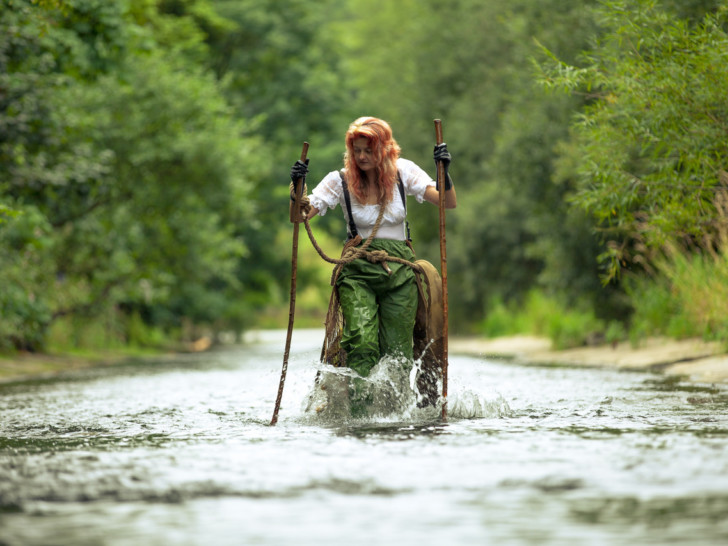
x=351, y=251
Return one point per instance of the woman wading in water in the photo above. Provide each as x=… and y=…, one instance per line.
x=378, y=303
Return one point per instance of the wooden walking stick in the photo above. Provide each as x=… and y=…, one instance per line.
x=443, y=267
x=296, y=219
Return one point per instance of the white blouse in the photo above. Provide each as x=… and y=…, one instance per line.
x=329, y=193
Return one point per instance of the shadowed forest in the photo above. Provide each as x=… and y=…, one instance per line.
x=145, y=148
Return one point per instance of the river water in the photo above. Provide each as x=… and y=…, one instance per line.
x=180, y=451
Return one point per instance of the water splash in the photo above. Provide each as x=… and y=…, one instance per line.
x=471, y=405
x=342, y=394
x=389, y=393
x=329, y=396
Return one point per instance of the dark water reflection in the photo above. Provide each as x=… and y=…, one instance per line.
x=179, y=451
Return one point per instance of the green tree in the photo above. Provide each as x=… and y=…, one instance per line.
x=38, y=167
x=648, y=150
x=128, y=169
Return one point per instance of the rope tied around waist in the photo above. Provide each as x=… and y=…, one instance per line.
x=353, y=252
x=377, y=256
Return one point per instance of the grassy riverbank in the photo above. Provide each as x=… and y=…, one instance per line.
x=23, y=365
x=694, y=359
x=76, y=344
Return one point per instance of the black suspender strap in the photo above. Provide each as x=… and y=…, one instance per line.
x=400, y=185
x=352, y=225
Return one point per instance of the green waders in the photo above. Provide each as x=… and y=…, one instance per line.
x=379, y=312
x=378, y=308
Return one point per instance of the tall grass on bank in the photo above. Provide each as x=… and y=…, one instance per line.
x=688, y=294
x=112, y=331
x=687, y=297
x=547, y=316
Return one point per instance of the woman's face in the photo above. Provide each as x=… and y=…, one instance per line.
x=363, y=154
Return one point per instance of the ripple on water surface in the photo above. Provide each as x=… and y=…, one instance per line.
x=181, y=452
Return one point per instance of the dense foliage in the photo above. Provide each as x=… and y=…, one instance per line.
x=122, y=161
x=651, y=144
x=145, y=146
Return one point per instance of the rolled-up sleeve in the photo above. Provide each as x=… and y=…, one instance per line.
x=415, y=179
x=327, y=194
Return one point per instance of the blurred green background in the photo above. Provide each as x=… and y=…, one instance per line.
x=145, y=147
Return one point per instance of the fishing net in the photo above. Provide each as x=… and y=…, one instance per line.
x=331, y=352
x=428, y=332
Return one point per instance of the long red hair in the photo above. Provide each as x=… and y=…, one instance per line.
x=385, y=151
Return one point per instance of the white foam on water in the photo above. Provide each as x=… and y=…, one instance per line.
x=468, y=404
x=391, y=394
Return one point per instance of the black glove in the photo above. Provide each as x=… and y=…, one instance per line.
x=442, y=155
x=299, y=170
